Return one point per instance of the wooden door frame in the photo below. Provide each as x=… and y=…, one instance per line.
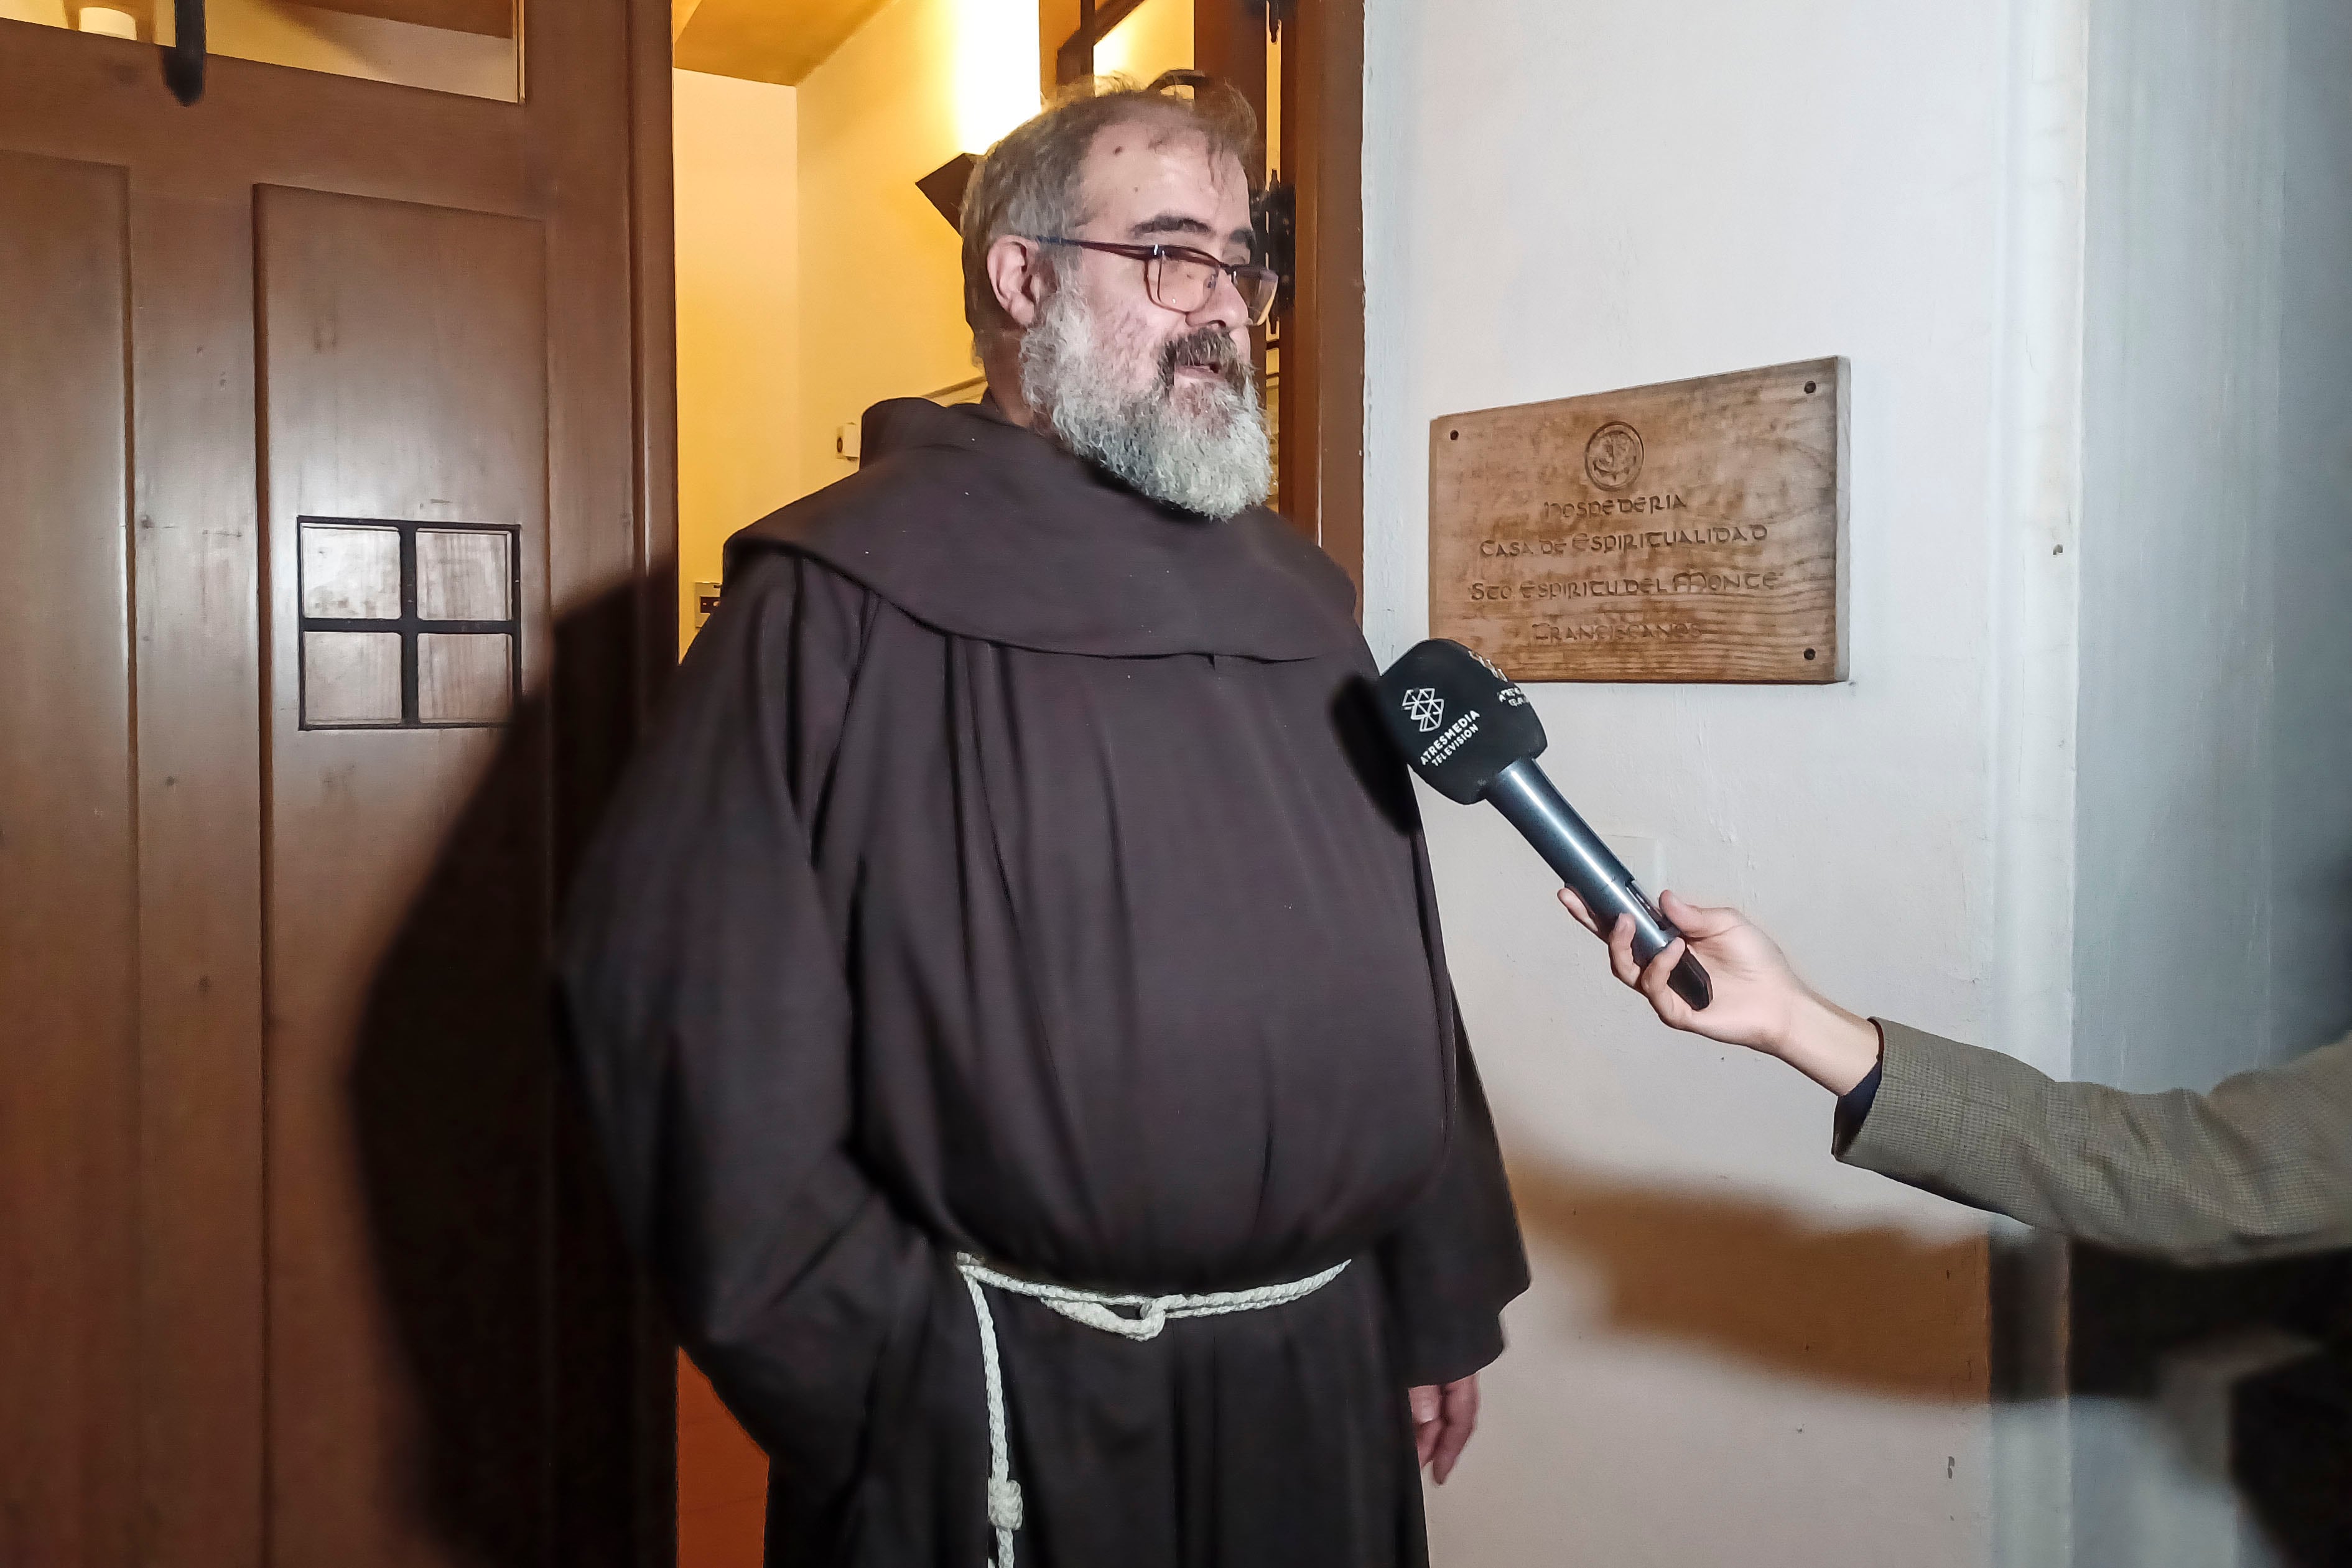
x=652, y=1377
x=1323, y=341
x=654, y=301
x=1322, y=411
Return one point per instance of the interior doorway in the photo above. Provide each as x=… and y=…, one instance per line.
x=819, y=273
x=818, y=152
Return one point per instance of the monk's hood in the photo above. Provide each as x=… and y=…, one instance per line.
x=980, y=529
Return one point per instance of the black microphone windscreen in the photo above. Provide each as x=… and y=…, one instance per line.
x=1458, y=720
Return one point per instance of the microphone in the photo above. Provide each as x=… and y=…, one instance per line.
x=1471, y=734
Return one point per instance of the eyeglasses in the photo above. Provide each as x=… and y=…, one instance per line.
x=1182, y=279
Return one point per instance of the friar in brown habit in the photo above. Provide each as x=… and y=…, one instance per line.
x=1008, y=986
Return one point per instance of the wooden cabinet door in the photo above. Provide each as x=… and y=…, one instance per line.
x=333, y=493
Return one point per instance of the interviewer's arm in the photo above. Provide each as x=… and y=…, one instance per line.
x=2260, y=1167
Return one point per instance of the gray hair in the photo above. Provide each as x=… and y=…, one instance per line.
x=1029, y=182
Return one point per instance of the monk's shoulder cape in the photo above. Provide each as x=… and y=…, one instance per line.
x=979, y=528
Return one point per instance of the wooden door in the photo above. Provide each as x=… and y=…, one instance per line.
x=1322, y=136
x=333, y=525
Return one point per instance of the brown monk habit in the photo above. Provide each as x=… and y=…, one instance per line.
x=1010, y=874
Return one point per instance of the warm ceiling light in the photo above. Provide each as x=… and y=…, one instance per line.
x=106, y=19
x=995, y=67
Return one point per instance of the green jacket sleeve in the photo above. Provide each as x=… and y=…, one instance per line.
x=2261, y=1168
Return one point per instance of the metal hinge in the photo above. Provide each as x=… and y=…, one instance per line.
x=183, y=62
x=1274, y=215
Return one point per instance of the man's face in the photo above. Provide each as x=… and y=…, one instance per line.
x=1151, y=183
x=1163, y=397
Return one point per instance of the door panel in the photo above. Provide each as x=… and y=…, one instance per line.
x=68, y=868
x=196, y=596
x=403, y=380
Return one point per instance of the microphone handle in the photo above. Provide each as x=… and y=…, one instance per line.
x=1523, y=793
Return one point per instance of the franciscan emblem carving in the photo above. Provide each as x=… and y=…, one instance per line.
x=1612, y=458
x=1424, y=707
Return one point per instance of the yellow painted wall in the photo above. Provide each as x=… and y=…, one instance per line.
x=881, y=273
x=1272, y=126
x=1155, y=37
x=739, y=328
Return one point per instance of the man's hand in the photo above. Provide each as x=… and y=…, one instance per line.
x=1758, y=1000
x=1443, y=1416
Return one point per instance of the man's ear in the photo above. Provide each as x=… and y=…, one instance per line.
x=1016, y=273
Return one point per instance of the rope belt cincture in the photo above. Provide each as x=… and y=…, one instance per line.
x=1097, y=1310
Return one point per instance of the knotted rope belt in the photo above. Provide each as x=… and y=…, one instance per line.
x=1097, y=1311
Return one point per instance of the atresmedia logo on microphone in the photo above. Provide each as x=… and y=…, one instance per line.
x=1424, y=707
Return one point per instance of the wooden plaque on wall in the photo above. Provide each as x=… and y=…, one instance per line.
x=1688, y=531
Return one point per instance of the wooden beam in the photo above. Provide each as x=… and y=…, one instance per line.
x=1075, y=60
x=1057, y=20
x=765, y=40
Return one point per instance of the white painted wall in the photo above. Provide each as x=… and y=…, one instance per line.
x=2310, y=782
x=2179, y=526
x=2216, y=905
x=2214, y=908
x=2086, y=798
x=1737, y=1351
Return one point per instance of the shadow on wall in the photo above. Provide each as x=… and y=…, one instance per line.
x=1876, y=1311
x=2282, y=1434
x=2312, y=969
x=1872, y=1308
x=502, y=1266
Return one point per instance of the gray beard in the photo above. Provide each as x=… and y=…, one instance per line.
x=1202, y=447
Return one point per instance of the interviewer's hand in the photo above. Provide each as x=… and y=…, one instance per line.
x=1758, y=1000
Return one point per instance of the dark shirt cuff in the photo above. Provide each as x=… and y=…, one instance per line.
x=1854, y=1105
